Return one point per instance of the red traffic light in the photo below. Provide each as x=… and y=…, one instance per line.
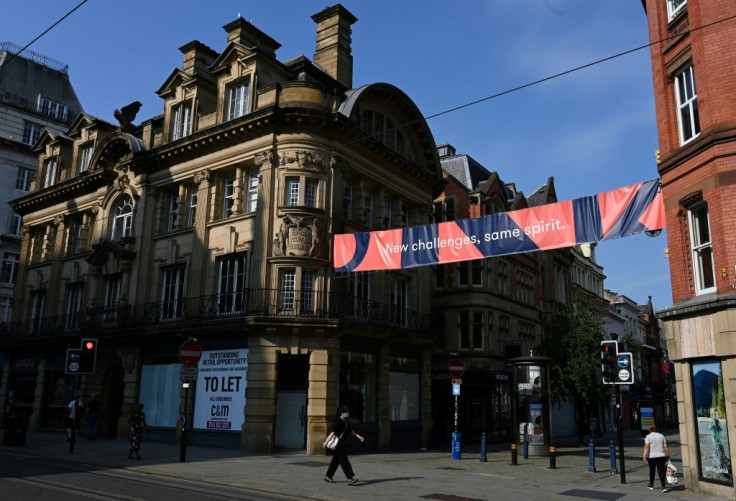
x=89, y=345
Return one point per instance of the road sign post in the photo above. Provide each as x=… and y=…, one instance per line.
x=190, y=353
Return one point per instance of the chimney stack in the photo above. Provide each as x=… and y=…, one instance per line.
x=197, y=58
x=244, y=33
x=333, y=53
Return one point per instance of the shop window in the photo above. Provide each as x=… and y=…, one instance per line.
x=357, y=385
x=160, y=394
x=403, y=398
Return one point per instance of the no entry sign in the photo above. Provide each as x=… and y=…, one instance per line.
x=456, y=368
x=190, y=352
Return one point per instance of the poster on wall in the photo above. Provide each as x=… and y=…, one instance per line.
x=712, y=428
x=220, y=397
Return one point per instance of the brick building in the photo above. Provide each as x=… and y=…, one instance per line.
x=693, y=57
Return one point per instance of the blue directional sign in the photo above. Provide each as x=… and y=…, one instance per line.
x=623, y=361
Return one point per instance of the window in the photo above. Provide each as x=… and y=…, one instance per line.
x=378, y=128
x=37, y=237
x=399, y=298
x=403, y=393
x=229, y=195
x=307, y=291
x=15, y=224
x=52, y=108
x=49, y=177
x=85, y=156
x=702, y=248
x=292, y=191
x=252, y=200
x=347, y=197
x=444, y=210
x=182, y=121
x=560, y=284
x=122, y=223
x=525, y=287
x=113, y=286
x=237, y=100
x=471, y=329
x=388, y=134
x=23, y=181
x=5, y=309
x=172, y=292
x=674, y=7
x=357, y=385
x=504, y=328
x=439, y=276
x=232, y=284
x=687, y=104
x=31, y=132
x=10, y=268
x=192, y=205
x=287, y=289
x=172, y=209
x=404, y=215
x=75, y=296
x=366, y=122
x=75, y=236
x=368, y=205
x=388, y=215
x=38, y=304
x=470, y=273
x=310, y=193
x=359, y=285
x=503, y=277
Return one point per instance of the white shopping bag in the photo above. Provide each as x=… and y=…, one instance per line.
x=671, y=473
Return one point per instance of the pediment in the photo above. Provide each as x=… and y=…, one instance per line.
x=49, y=137
x=101, y=252
x=85, y=121
x=233, y=52
x=175, y=79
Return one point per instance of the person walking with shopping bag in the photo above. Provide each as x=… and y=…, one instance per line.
x=341, y=430
x=656, y=453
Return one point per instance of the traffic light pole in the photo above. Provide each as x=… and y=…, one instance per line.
x=619, y=428
x=73, y=413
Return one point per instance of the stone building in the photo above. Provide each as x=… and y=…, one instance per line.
x=693, y=57
x=213, y=220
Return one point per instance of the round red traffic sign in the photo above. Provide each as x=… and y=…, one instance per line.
x=456, y=368
x=190, y=352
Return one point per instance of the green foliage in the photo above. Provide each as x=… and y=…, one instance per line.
x=719, y=400
x=573, y=341
x=634, y=346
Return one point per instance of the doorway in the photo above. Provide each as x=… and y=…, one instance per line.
x=114, y=389
x=291, y=401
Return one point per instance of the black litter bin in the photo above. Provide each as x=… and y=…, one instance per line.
x=15, y=431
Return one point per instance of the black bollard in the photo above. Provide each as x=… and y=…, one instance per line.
x=526, y=443
x=483, y=447
x=514, y=459
x=591, y=456
x=552, y=457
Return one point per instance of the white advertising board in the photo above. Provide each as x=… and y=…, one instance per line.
x=220, y=397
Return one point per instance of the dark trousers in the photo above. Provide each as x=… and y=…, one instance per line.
x=340, y=457
x=659, y=464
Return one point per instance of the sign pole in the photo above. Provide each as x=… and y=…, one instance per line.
x=183, y=441
x=619, y=427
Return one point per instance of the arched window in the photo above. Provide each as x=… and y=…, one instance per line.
x=122, y=218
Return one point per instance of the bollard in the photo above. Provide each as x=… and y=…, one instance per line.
x=612, y=452
x=552, y=457
x=483, y=447
x=591, y=456
x=526, y=443
x=514, y=459
x=457, y=446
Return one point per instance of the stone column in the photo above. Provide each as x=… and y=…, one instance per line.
x=384, y=421
x=322, y=397
x=260, y=403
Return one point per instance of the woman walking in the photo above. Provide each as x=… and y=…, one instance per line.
x=656, y=452
x=137, y=421
x=342, y=429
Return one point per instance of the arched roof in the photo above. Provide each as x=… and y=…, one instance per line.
x=114, y=148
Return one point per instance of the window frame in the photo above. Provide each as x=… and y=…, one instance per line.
x=74, y=303
x=232, y=283
x=193, y=197
x=472, y=325
x=173, y=279
x=697, y=248
x=85, y=156
x=251, y=201
x=24, y=178
x=674, y=7
x=31, y=132
x=50, y=169
x=236, y=105
x=347, y=196
x=113, y=286
x=182, y=120
x=15, y=224
x=122, y=218
x=688, y=118
x=10, y=264
x=228, y=193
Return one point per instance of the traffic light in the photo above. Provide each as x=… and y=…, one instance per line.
x=88, y=356
x=609, y=352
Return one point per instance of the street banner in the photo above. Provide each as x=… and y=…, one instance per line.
x=220, y=397
x=612, y=214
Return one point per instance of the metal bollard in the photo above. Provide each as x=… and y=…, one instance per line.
x=526, y=443
x=552, y=457
x=483, y=447
x=591, y=456
x=514, y=454
x=612, y=452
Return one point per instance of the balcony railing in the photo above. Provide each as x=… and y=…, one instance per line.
x=266, y=304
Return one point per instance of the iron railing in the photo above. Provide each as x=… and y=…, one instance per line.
x=271, y=305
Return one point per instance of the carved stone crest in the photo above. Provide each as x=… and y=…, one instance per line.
x=305, y=159
x=299, y=236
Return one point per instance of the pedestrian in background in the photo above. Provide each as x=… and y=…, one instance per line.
x=94, y=407
x=74, y=416
x=342, y=429
x=656, y=453
x=137, y=421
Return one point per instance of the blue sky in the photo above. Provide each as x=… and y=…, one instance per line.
x=593, y=130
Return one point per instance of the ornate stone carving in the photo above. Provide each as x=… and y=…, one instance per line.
x=58, y=220
x=121, y=183
x=299, y=236
x=305, y=159
x=203, y=175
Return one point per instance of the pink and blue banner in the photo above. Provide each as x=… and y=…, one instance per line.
x=613, y=214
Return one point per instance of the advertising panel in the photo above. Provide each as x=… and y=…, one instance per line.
x=220, y=397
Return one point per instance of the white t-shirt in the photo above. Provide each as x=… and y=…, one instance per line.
x=79, y=408
x=656, y=443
